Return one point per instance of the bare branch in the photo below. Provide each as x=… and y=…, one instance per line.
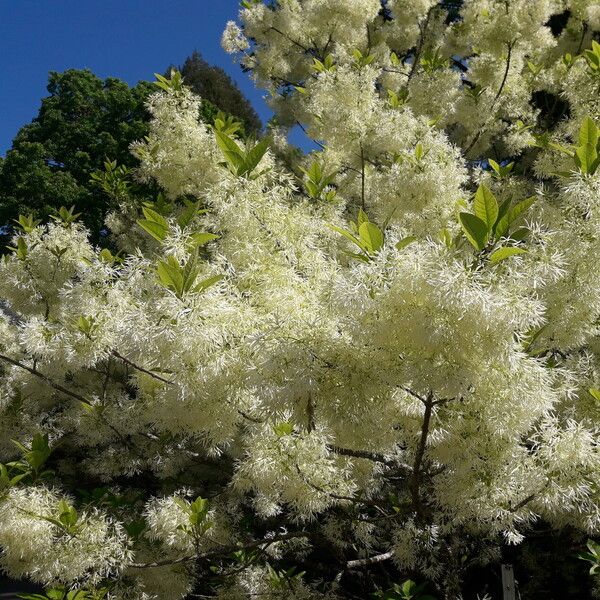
x=420, y=43
x=141, y=369
x=372, y=456
x=45, y=378
x=415, y=480
x=494, y=101
x=222, y=551
x=365, y=562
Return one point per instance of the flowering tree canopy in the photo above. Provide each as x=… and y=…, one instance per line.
x=384, y=351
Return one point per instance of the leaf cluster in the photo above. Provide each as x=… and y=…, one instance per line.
x=240, y=161
x=364, y=234
x=409, y=590
x=490, y=223
x=317, y=181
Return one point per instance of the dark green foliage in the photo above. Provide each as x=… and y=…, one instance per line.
x=83, y=121
x=218, y=89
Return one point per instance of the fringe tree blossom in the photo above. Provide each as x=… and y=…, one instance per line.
x=290, y=367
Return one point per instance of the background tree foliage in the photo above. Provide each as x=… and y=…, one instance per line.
x=82, y=123
x=216, y=87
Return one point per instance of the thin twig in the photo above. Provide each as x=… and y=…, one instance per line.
x=372, y=456
x=496, y=98
x=420, y=43
x=287, y=37
x=362, y=176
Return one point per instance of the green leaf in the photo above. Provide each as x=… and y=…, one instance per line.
x=586, y=154
x=595, y=393
x=254, y=156
x=494, y=165
x=505, y=252
x=502, y=211
x=283, y=429
x=201, y=239
x=349, y=235
x=361, y=257
x=404, y=242
x=518, y=209
x=231, y=151
x=22, y=249
x=371, y=236
x=419, y=151
x=206, y=283
x=187, y=215
x=518, y=235
x=28, y=223
x=475, y=230
x=154, y=216
x=512, y=215
x=170, y=275
x=588, y=133
x=362, y=217
x=485, y=207
x=156, y=230
x=586, y=158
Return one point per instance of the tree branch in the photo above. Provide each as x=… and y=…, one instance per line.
x=362, y=176
x=495, y=100
x=420, y=43
x=365, y=562
x=141, y=369
x=372, y=456
x=45, y=378
x=415, y=480
x=289, y=39
x=222, y=551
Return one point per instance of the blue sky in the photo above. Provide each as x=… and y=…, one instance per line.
x=129, y=39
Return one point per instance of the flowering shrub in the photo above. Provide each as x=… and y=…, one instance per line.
x=300, y=366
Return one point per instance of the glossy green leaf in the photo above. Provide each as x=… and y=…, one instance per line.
x=209, y=282
x=371, y=236
x=506, y=252
x=404, y=242
x=475, y=230
x=156, y=230
x=485, y=206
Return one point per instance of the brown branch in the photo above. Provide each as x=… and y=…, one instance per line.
x=287, y=37
x=75, y=395
x=249, y=418
x=495, y=100
x=413, y=394
x=335, y=496
x=420, y=43
x=46, y=379
x=310, y=413
x=583, y=33
x=141, y=369
x=322, y=146
x=372, y=456
x=222, y=551
x=415, y=480
x=529, y=498
x=362, y=176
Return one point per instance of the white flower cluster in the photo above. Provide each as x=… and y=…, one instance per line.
x=328, y=348
x=35, y=547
